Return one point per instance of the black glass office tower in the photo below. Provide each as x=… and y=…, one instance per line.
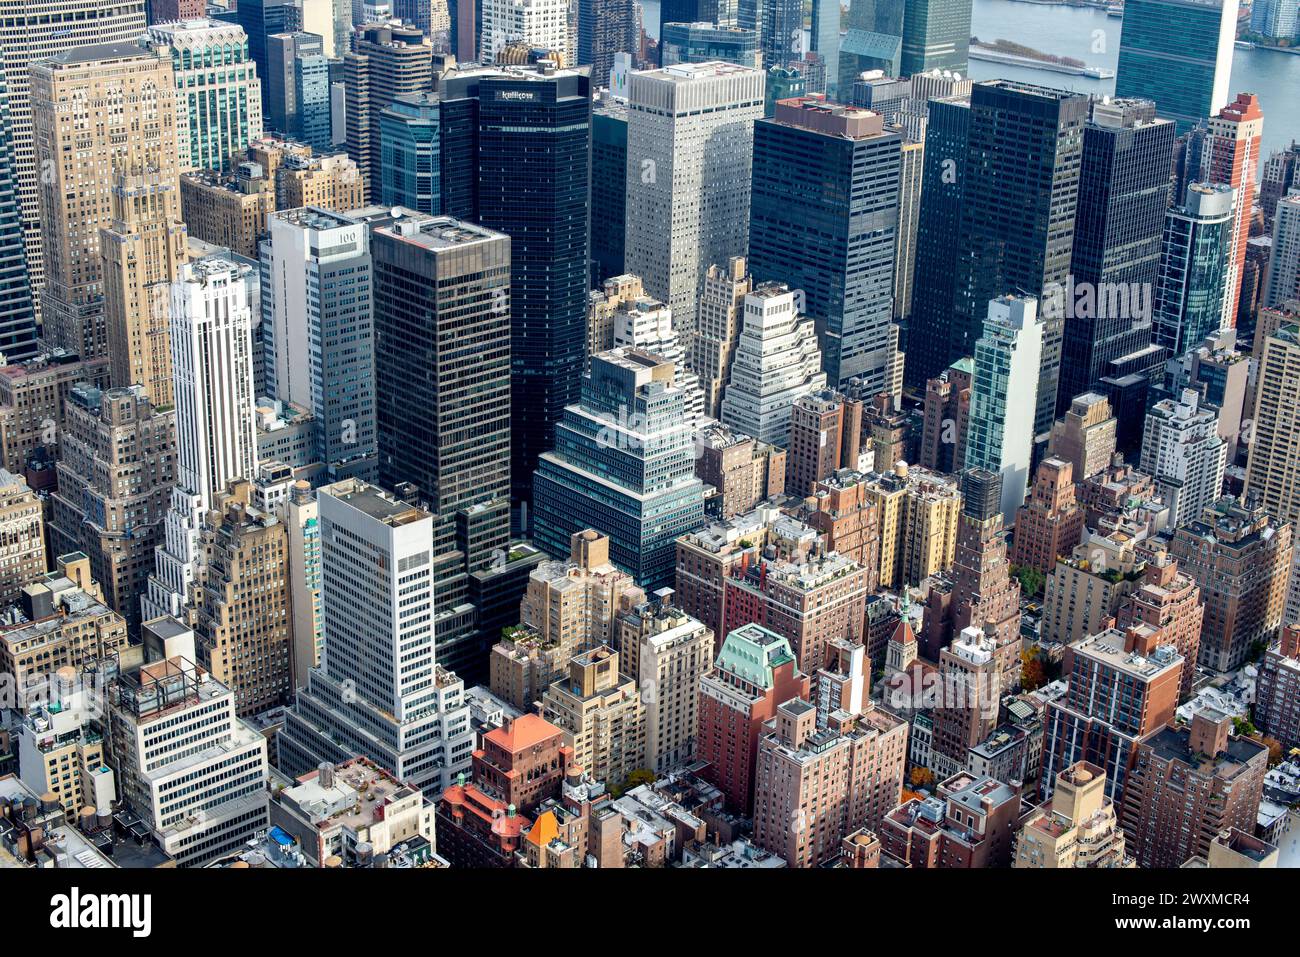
x=1123, y=188
x=1023, y=157
x=928, y=340
x=17, y=316
x=608, y=189
x=873, y=39
x=442, y=382
x=516, y=158
x=823, y=218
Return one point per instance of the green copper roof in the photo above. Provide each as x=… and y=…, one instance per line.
x=751, y=652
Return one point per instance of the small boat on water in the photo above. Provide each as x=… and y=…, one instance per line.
x=1115, y=10
x=1244, y=45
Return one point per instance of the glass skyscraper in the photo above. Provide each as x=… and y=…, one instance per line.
x=516, y=157
x=1178, y=53
x=1123, y=188
x=623, y=464
x=1193, y=264
x=823, y=218
x=1023, y=158
x=410, y=151
x=17, y=315
x=929, y=346
x=936, y=36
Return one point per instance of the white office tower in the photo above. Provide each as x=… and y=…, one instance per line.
x=1000, y=436
x=185, y=761
x=212, y=377
x=1283, y=279
x=542, y=24
x=690, y=144
x=317, y=334
x=777, y=362
x=1183, y=453
x=647, y=324
x=378, y=690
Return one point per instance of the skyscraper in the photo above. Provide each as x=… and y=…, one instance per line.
x=411, y=151
x=607, y=27
x=32, y=31
x=387, y=60
x=1190, y=284
x=213, y=383
x=1123, y=191
x=143, y=246
x=1183, y=453
x=1272, y=472
x=776, y=361
x=17, y=310
x=298, y=81
x=622, y=465
x=541, y=24
x=516, y=142
x=117, y=466
x=442, y=377
x=1282, y=281
x=378, y=690
x=824, y=218
x=608, y=188
x=1231, y=157
x=824, y=40
x=705, y=43
x=929, y=349
x=219, y=91
x=261, y=19
x=76, y=92
x=318, y=333
x=689, y=159
x=1018, y=215
x=936, y=36
x=1000, y=431
x=718, y=323
x=873, y=40
x=780, y=31
x=1179, y=54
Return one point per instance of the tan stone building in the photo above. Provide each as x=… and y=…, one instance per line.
x=1087, y=588
x=602, y=715
x=229, y=210
x=34, y=399
x=101, y=113
x=741, y=470
x=817, y=784
x=241, y=602
x=1085, y=436
x=143, y=246
x=918, y=512
x=568, y=608
x=116, y=473
x=67, y=624
x=1273, y=468
x=22, y=537
x=327, y=182
x=1078, y=827
x=667, y=652
x=718, y=320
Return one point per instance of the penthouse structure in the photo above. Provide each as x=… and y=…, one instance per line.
x=970, y=822
x=1077, y=828
x=602, y=715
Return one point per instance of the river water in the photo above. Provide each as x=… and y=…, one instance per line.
x=1090, y=35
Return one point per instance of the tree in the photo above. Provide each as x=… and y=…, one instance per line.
x=921, y=777
x=1275, y=752
x=1032, y=673
x=1031, y=580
